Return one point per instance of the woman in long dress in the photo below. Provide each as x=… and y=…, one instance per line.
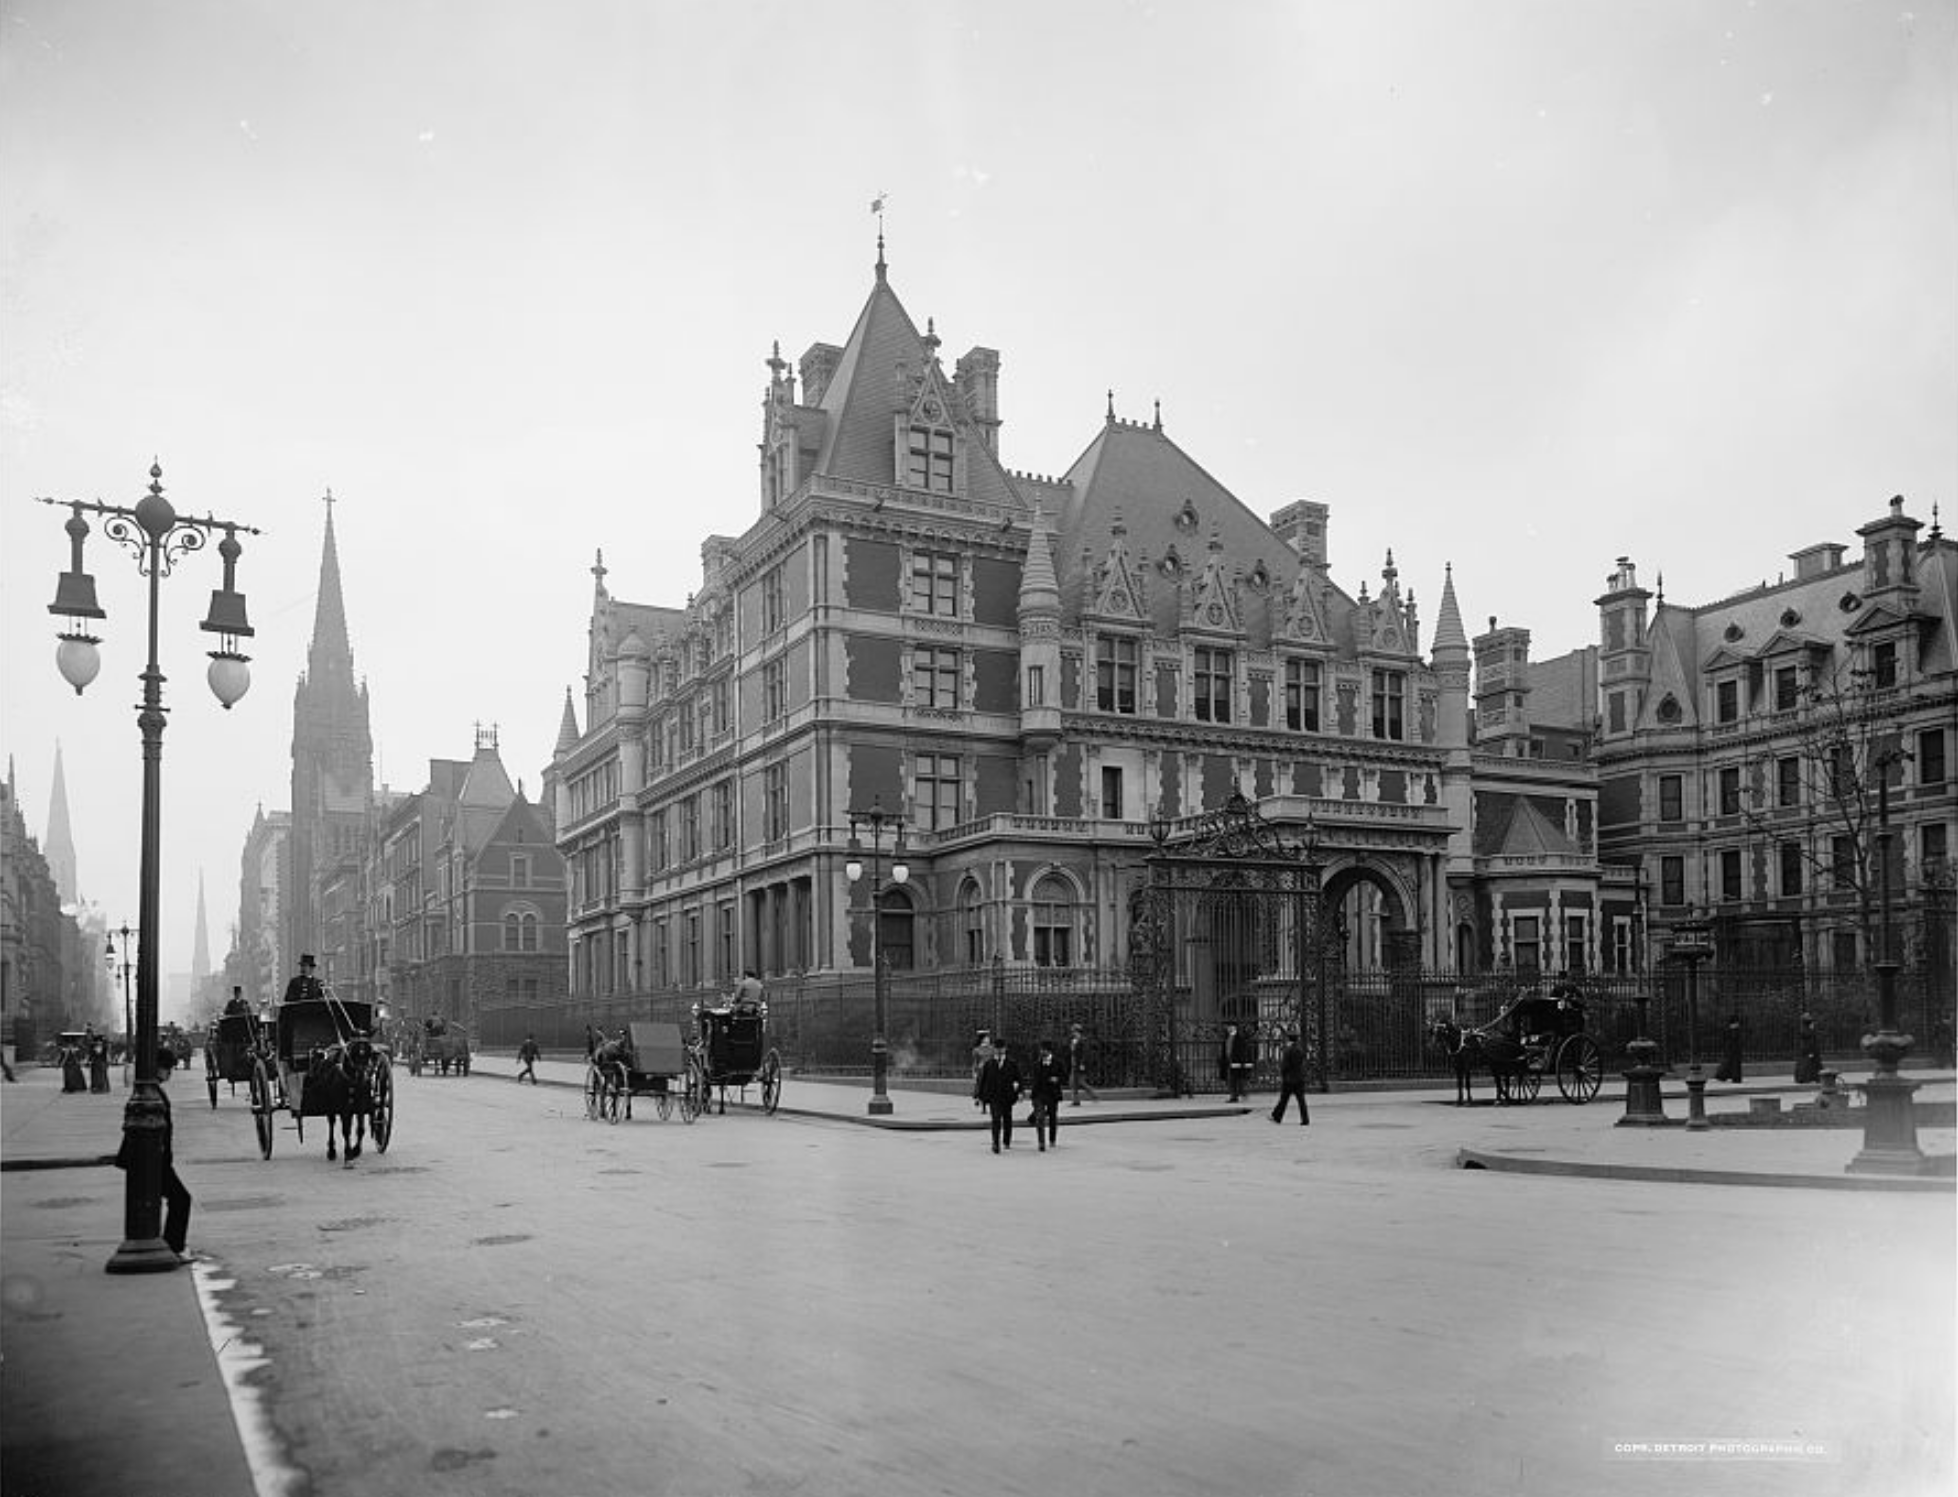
x=72, y=1079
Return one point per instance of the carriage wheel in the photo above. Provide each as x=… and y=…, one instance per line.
x=1580, y=1068
x=771, y=1082
x=1527, y=1082
x=381, y=1122
x=262, y=1108
x=594, y=1092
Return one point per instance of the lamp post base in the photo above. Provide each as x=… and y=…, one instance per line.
x=1889, y=1129
x=1644, y=1108
x=1696, y=1101
x=880, y=1107
x=153, y=1256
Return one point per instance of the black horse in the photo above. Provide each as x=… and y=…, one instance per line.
x=339, y=1087
x=1503, y=1058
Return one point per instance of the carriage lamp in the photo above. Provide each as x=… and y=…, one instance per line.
x=157, y=537
x=876, y=819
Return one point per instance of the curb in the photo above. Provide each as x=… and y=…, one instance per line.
x=74, y=1162
x=1477, y=1159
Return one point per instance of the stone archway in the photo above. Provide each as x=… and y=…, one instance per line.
x=1373, y=926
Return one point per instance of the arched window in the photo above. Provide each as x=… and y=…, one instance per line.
x=972, y=924
x=894, y=929
x=520, y=929
x=1053, y=922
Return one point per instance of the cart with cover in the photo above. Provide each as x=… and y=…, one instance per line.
x=652, y=1060
x=243, y=1048
x=730, y=1049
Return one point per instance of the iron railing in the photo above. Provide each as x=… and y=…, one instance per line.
x=1377, y=1023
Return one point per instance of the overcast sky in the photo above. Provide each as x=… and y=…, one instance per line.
x=1521, y=285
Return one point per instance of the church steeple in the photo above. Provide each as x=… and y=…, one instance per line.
x=200, y=952
x=60, y=846
x=331, y=653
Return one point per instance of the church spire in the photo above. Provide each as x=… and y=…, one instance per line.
x=60, y=845
x=200, y=954
x=330, y=647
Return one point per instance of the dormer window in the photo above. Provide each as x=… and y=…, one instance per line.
x=1726, y=700
x=929, y=463
x=1883, y=664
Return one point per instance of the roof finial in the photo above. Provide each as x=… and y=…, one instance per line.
x=598, y=568
x=1937, y=532
x=1159, y=415
x=877, y=207
x=1111, y=407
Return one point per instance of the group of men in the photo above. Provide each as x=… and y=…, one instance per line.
x=997, y=1085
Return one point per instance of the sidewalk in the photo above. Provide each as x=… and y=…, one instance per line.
x=109, y=1383
x=95, y=1365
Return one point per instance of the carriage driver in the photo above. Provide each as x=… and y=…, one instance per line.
x=305, y=985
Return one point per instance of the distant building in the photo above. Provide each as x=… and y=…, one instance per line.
x=1748, y=746
x=332, y=776
x=260, y=957
x=469, y=894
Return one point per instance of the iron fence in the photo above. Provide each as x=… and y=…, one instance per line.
x=1376, y=1025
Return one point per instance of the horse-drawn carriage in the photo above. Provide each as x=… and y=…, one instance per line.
x=1534, y=1034
x=440, y=1045
x=730, y=1049
x=331, y=1066
x=652, y=1060
x=242, y=1047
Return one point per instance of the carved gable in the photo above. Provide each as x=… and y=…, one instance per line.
x=1119, y=590
x=1215, y=604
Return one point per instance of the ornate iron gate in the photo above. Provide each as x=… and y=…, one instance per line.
x=1229, y=927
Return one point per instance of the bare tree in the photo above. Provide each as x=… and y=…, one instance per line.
x=1821, y=787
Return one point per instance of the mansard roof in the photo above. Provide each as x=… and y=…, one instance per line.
x=1134, y=475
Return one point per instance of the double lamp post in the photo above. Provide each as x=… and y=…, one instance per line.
x=157, y=537
x=875, y=820
x=128, y=1014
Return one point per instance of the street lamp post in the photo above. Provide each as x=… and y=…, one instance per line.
x=1890, y=1116
x=1691, y=946
x=128, y=1019
x=876, y=819
x=157, y=536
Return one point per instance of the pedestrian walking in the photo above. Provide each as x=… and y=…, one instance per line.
x=981, y=1053
x=1049, y=1081
x=98, y=1063
x=176, y=1197
x=72, y=1079
x=1077, y=1065
x=1808, y=1053
x=1730, y=1046
x=527, y=1057
x=1291, y=1080
x=999, y=1089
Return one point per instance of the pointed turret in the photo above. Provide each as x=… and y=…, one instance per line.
x=1040, y=643
x=567, y=728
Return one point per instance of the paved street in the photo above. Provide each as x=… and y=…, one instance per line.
x=515, y=1300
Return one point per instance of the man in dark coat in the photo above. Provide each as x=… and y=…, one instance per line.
x=1730, y=1048
x=1291, y=1080
x=1240, y=1054
x=1808, y=1053
x=1049, y=1081
x=999, y=1089
x=176, y=1196
x=305, y=985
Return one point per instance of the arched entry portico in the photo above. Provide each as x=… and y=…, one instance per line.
x=1369, y=909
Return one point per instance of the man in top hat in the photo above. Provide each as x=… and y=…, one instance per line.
x=305, y=985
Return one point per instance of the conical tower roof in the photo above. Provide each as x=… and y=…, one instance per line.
x=1449, y=634
x=330, y=653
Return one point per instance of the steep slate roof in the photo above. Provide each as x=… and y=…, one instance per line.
x=485, y=795
x=864, y=398
x=1138, y=473
x=1532, y=834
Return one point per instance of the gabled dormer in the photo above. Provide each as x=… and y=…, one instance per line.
x=1304, y=620
x=926, y=431
x=1215, y=607
x=1724, y=674
x=1117, y=589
